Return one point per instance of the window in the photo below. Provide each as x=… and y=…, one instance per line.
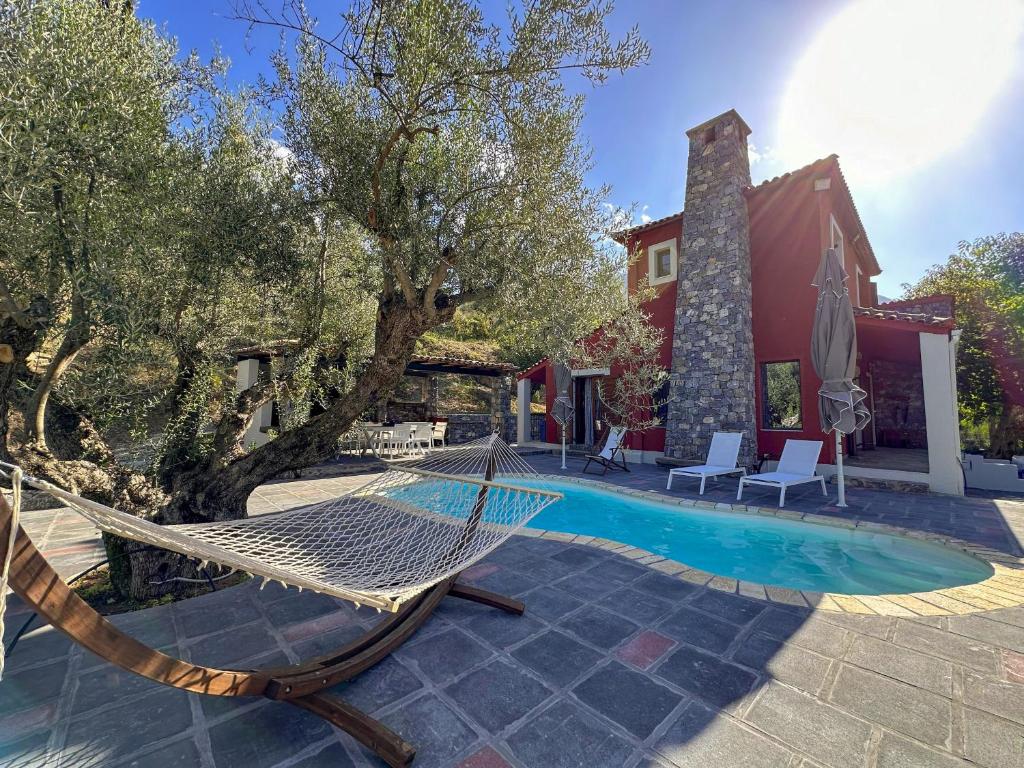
x=709, y=134
x=780, y=395
x=661, y=262
x=836, y=236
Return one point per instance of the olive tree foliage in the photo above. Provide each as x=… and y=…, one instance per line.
x=986, y=280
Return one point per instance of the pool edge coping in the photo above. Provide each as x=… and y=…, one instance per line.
x=1003, y=589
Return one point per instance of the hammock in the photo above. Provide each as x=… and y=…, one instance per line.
x=387, y=541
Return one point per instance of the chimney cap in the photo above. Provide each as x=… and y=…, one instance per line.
x=732, y=113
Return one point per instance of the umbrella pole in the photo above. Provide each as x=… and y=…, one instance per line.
x=841, y=482
x=563, y=447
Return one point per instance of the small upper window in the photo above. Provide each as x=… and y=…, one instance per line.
x=661, y=262
x=780, y=395
x=709, y=134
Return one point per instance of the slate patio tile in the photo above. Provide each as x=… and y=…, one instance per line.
x=894, y=751
x=617, y=570
x=508, y=582
x=629, y=698
x=733, y=608
x=445, y=655
x=196, y=617
x=308, y=605
x=708, y=677
x=909, y=666
x=545, y=568
x=665, y=587
x=264, y=736
x=812, y=632
x=107, y=684
x=701, y=738
x=897, y=706
x=331, y=756
x=549, y=603
x=636, y=605
x=699, y=629
x=585, y=586
x=645, y=649
x=154, y=627
x=556, y=657
x=563, y=736
x=502, y=629
x=434, y=728
x=599, y=627
x=233, y=647
x=998, y=697
x=497, y=695
x=36, y=646
x=785, y=662
x=380, y=685
x=824, y=732
x=27, y=752
x=580, y=556
x=307, y=643
x=485, y=758
x=960, y=650
x=115, y=733
x=182, y=753
x=992, y=632
x=991, y=741
x=20, y=691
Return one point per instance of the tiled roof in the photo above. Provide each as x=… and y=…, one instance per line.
x=462, y=362
x=820, y=164
x=532, y=369
x=907, y=317
x=622, y=234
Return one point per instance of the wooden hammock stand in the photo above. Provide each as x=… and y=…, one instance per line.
x=303, y=685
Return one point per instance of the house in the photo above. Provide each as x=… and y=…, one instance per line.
x=733, y=272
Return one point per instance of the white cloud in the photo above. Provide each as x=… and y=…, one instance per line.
x=756, y=155
x=644, y=218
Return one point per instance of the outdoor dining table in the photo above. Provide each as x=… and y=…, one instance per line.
x=371, y=432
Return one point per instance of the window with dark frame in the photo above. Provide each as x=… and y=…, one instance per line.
x=663, y=262
x=780, y=395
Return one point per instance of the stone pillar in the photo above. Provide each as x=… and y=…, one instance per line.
x=501, y=407
x=942, y=422
x=523, y=420
x=712, y=378
x=432, y=397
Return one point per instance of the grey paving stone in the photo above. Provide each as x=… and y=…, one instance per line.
x=915, y=712
x=116, y=733
x=326, y=642
x=891, y=660
x=301, y=607
x=556, y=657
x=897, y=752
x=580, y=556
x=738, y=610
x=708, y=677
x=961, y=650
x=28, y=752
x=699, y=629
x=991, y=741
x=107, y=684
x=233, y=646
x=501, y=629
x=550, y=604
x=445, y=655
x=178, y=754
x=31, y=687
x=599, y=627
x=264, y=736
x=42, y=644
x=497, y=695
x=201, y=617
x=804, y=723
x=618, y=570
x=992, y=632
x=811, y=632
x=507, y=582
x=702, y=738
x=563, y=736
x=534, y=545
x=638, y=606
x=545, y=568
x=331, y=756
x=154, y=627
x=785, y=662
x=380, y=685
x=665, y=587
x=999, y=697
x=876, y=626
x=585, y=586
x=628, y=698
x=433, y=728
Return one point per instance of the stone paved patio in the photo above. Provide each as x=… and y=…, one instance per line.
x=614, y=664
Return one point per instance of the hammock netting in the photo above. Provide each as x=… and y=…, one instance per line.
x=410, y=527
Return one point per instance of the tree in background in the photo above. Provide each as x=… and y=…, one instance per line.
x=986, y=280
x=149, y=225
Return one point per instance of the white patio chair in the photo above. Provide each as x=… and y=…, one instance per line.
x=796, y=466
x=421, y=440
x=722, y=459
x=439, y=433
x=612, y=446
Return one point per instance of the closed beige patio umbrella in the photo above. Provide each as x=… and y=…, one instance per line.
x=834, y=355
x=562, y=410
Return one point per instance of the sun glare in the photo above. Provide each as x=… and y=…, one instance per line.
x=891, y=86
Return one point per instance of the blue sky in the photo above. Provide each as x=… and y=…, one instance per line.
x=743, y=54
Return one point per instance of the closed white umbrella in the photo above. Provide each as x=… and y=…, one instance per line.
x=834, y=355
x=562, y=410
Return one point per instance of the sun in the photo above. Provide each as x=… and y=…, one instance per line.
x=892, y=86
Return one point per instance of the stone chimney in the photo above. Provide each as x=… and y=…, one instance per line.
x=712, y=377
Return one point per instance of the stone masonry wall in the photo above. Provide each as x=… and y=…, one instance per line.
x=712, y=378
x=899, y=404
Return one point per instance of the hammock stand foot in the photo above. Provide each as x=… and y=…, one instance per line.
x=303, y=685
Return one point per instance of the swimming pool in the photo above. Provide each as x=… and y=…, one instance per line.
x=766, y=550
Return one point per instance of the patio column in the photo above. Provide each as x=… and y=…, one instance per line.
x=246, y=376
x=523, y=393
x=942, y=421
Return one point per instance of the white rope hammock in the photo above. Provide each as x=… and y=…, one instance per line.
x=409, y=528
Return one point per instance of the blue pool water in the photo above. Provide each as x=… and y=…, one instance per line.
x=766, y=550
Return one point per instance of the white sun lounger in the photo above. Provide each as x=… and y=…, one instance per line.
x=721, y=460
x=797, y=466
